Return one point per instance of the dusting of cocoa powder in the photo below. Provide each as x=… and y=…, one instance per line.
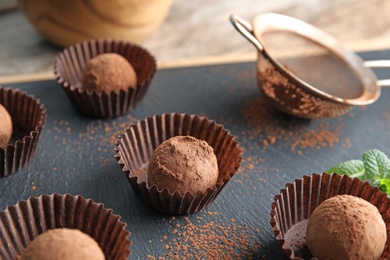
x=98, y=135
x=108, y=72
x=195, y=239
x=295, y=99
x=268, y=126
x=279, y=89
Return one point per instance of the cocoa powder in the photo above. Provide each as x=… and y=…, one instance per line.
x=197, y=239
x=267, y=126
x=99, y=135
x=294, y=99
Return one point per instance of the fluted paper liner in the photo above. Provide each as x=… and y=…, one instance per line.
x=295, y=204
x=136, y=145
x=70, y=64
x=28, y=117
x=21, y=223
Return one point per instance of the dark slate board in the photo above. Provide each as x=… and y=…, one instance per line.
x=72, y=159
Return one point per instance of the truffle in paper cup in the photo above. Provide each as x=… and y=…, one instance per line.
x=136, y=145
x=21, y=223
x=28, y=118
x=69, y=67
x=294, y=205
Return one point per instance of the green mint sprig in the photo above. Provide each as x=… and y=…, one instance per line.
x=374, y=167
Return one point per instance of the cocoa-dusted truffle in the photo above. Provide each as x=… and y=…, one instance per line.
x=108, y=72
x=184, y=164
x=346, y=227
x=5, y=127
x=64, y=244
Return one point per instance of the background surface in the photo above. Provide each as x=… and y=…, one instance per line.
x=76, y=155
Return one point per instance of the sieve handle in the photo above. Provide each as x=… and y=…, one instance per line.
x=379, y=64
x=246, y=30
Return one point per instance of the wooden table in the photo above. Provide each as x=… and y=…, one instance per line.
x=199, y=32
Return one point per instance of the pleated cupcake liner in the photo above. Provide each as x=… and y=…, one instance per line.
x=294, y=205
x=69, y=66
x=28, y=117
x=135, y=146
x=21, y=223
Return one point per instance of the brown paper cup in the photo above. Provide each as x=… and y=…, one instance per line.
x=136, y=145
x=28, y=117
x=69, y=66
x=21, y=223
x=295, y=204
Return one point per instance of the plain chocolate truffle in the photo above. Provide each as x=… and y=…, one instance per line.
x=346, y=227
x=5, y=127
x=108, y=72
x=184, y=164
x=64, y=244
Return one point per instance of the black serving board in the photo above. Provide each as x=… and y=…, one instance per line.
x=75, y=154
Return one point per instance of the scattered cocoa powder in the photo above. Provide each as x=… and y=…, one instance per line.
x=269, y=126
x=99, y=135
x=210, y=240
x=247, y=166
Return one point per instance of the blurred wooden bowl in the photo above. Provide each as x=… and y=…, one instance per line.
x=66, y=22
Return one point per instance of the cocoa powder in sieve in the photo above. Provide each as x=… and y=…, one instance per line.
x=285, y=94
x=295, y=100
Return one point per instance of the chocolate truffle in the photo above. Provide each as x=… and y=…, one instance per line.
x=5, y=127
x=184, y=164
x=108, y=72
x=64, y=244
x=346, y=227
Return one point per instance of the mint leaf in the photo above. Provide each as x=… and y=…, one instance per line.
x=352, y=168
x=376, y=164
x=383, y=184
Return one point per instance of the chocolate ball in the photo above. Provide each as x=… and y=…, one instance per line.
x=184, y=164
x=5, y=127
x=64, y=244
x=108, y=72
x=346, y=227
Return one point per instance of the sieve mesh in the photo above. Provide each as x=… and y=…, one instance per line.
x=293, y=99
x=305, y=72
x=312, y=63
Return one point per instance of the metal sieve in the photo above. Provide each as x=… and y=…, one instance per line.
x=305, y=72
